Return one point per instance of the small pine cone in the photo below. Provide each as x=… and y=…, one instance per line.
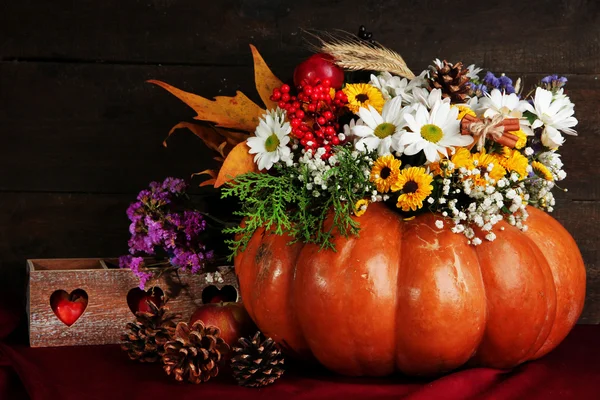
x=194, y=352
x=257, y=363
x=453, y=81
x=146, y=337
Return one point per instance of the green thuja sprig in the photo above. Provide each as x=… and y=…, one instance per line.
x=281, y=202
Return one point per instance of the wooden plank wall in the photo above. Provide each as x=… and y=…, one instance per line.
x=82, y=132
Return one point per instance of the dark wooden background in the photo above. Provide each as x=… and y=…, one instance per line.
x=82, y=132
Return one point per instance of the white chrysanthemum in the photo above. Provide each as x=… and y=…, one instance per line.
x=380, y=132
x=348, y=134
x=429, y=98
x=473, y=71
x=270, y=143
x=394, y=86
x=555, y=114
x=498, y=102
x=433, y=131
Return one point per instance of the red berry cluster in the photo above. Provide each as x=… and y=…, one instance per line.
x=313, y=113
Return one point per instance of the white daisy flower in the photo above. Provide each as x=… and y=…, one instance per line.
x=380, y=132
x=394, y=86
x=497, y=102
x=555, y=114
x=429, y=98
x=347, y=134
x=473, y=71
x=433, y=131
x=270, y=143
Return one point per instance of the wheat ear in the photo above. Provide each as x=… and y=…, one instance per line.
x=353, y=54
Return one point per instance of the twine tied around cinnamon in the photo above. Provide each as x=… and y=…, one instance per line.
x=497, y=128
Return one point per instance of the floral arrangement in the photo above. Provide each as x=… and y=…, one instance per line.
x=160, y=226
x=356, y=127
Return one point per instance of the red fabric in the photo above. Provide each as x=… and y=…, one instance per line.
x=572, y=371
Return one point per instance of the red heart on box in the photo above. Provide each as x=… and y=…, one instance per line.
x=137, y=299
x=212, y=294
x=68, y=307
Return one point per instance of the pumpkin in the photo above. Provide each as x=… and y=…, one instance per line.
x=405, y=296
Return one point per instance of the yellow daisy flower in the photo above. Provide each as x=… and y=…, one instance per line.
x=542, y=171
x=514, y=161
x=484, y=160
x=363, y=95
x=462, y=158
x=361, y=207
x=522, y=141
x=415, y=184
x=464, y=110
x=385, y=172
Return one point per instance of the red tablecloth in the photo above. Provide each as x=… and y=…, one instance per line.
x=572, y=371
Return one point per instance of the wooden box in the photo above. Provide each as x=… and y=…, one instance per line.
x=110, y=293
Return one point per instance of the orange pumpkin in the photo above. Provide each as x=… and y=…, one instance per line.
x=409, y=297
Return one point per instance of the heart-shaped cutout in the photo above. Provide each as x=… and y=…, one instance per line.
x=212, y=294
x=137, y=299
x=68, y=307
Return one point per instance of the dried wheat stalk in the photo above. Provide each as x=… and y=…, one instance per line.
x=353, y=54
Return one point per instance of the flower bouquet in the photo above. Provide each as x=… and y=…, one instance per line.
x=393, y=222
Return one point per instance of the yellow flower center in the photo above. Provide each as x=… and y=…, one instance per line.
x=432, y=133
x=384, y=130
x=271, y=143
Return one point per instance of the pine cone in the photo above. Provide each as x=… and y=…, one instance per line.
x=194, y=352
x=257, y=363
x=452, y=79
x=146, y=336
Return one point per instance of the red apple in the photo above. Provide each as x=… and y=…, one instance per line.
x=143, y=302
x=319, y=66
x=137, y=299
x=69, y=307
x=231, y=318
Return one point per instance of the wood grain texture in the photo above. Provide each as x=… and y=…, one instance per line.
x=107, y=312
x=536, y=35
x=82, y=131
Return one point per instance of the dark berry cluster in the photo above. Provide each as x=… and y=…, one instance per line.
x=364, y=35
x=313, y=113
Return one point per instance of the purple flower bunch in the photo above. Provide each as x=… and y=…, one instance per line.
x=553, y=82
x=503, y=83
x=157, y=226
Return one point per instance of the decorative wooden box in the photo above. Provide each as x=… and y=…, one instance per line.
x=112, y=297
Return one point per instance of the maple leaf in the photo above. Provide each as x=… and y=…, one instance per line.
x=238, y=162
x=264, y=79
x=238, y=112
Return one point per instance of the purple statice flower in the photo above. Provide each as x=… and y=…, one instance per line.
x=140, y=243
x=193, y=224
x=553, y=82
x=135, y=211
x=194, y=260
x=158, y=228
x=160, y=197
x=174, y=185
x=135, y=264
x=502, y=83
x=144, y=196
x=479, y=90
x=506, y=84
x=491, y=81
x=155, y=229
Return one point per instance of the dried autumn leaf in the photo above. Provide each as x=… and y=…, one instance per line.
x=212, y=173
x=209, y=136
x=264, y=79
x=238, y=112
x=238, y=162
